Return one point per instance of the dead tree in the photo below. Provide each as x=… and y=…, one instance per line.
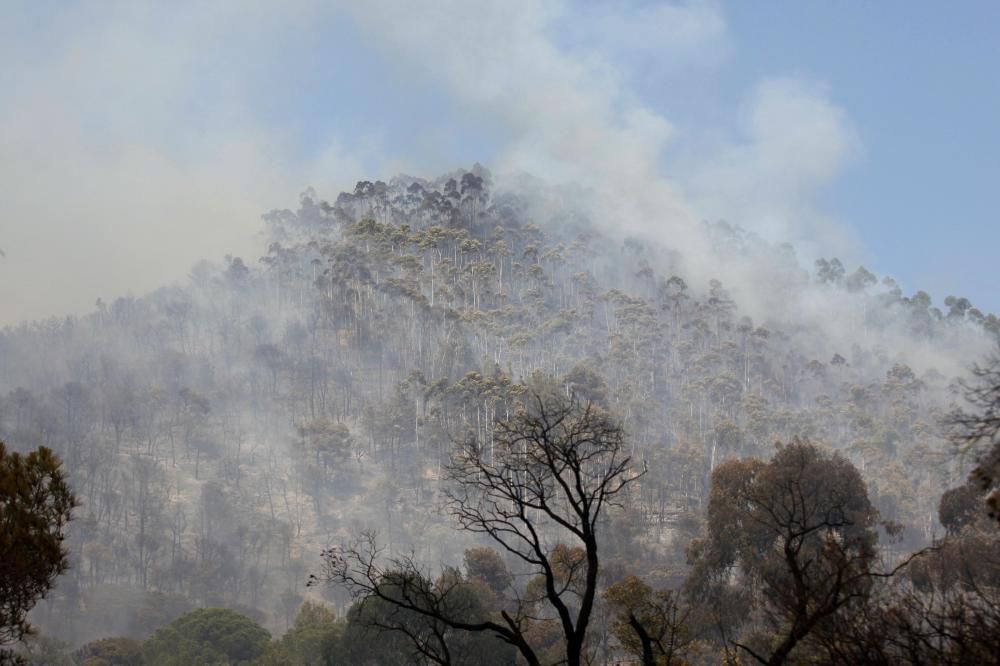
x=540, y=487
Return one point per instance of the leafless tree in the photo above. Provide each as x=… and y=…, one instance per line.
x=538, y=489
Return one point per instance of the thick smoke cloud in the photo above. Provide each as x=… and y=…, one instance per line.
x=130, y=136
x=129, y=150
x=571, y=115
x=132, y=149
x=792, y=141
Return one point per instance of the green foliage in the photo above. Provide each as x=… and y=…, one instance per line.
x=367, y=644
x=314, y=639
x=204, y=637
x=651, y=625
x=380, y=632
x=35, y=505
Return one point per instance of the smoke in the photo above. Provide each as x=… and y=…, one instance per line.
x=560, y=83
x=132, y=149
x=571, y=115
x=129, y=147
x=793, y=140
x=132, y=145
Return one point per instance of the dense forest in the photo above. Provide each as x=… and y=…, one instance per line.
x=230, y=440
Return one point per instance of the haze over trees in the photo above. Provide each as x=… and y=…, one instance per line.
x=505, y=436
x=538, y=490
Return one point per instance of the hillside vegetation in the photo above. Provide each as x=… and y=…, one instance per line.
x=220, y=433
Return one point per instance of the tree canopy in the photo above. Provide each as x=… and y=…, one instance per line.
x=801, y=527
x=36, y=503
x=204, y=637
x=539, y=488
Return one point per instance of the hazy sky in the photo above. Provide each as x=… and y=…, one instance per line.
x=137, y=138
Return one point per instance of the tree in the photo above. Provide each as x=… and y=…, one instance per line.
x=537, y=489
x=860, y=279
x=382, y=629
x=649, y=624
x=801, y=529
x=329, y=442
x=957, y=307
x=110, y=652
x=976, y=429
x=36, y=503
x=829, y=270
x=379, y=632
x=945, y=611
x=487, y=566
x=960, y=507
x=207, y=636
x=313, y=640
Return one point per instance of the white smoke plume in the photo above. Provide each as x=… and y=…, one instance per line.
x=130, y=150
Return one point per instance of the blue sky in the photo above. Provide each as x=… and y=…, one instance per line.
x=139, y=138
x=919, y=80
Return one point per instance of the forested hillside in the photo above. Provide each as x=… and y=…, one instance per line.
x=221, y=433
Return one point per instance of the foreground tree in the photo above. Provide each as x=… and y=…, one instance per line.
x=802, y=530
x=976, y=430
x=537, y=488
x=35, y=505
x=944, y=610
x=652, y=625
x=380, y=631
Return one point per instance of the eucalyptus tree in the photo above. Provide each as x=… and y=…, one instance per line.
x=802, y=531
x=554, y=471
x=653, y=625
x=975, y=428
x=36, y=504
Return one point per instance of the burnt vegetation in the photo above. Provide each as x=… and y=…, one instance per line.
x=439, y=422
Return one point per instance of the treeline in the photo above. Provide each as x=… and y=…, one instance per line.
x=221, y=433
x=787, y=569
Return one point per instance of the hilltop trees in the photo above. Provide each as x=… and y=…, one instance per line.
x=539, y=489
x=35, y=505
x=206, y=426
